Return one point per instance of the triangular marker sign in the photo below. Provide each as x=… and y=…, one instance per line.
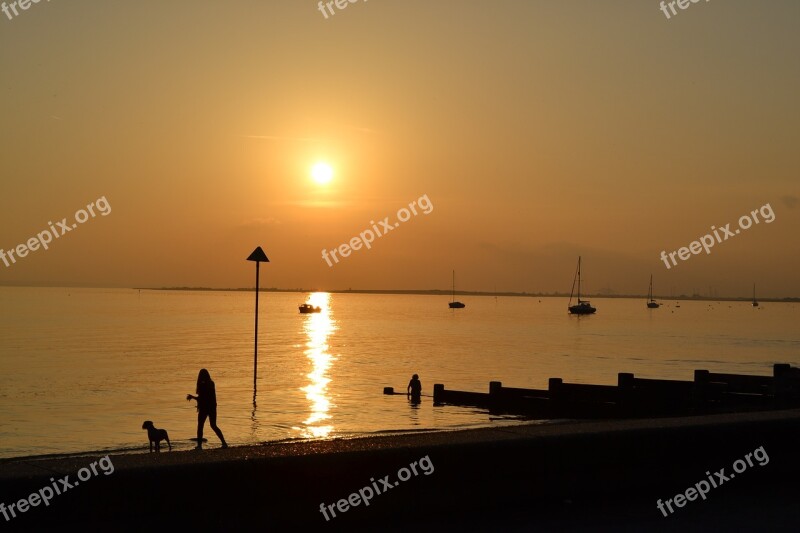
x=258, y=255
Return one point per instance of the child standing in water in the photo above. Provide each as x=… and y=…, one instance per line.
x=206, y=406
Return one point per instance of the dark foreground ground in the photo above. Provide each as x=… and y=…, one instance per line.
x=583, y=476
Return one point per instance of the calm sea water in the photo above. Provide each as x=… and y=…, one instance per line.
x=81, y=369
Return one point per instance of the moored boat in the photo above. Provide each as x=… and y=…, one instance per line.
x=454, y=304
x=651, y=304
x=583, y=307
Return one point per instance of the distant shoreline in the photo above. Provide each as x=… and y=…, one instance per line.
x=439, y=292
x=436, y=292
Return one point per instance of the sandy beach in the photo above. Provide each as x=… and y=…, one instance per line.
x=600, y=475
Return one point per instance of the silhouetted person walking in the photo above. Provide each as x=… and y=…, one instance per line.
x=415, y=388
x=206, y=406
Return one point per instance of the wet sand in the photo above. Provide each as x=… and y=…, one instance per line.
x=591, y=475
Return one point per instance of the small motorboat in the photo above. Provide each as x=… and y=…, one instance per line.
x=308, y=308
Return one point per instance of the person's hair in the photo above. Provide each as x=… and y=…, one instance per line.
x=415, y=376
x=202, y=378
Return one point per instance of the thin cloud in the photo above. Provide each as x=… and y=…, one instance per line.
x=282, y=138
x=363, y=130
x=259, y=222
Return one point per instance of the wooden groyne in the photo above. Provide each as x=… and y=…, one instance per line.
x=638, y=397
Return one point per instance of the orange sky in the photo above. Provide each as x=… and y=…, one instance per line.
x=538, y=130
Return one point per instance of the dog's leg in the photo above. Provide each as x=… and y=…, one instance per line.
x=151, y=446
x=168, y=444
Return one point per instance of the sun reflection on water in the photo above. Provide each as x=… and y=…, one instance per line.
x=318, y=327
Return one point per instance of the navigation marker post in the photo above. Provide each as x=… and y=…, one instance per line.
x=258, y=256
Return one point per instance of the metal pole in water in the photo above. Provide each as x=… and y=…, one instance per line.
x=258, y=256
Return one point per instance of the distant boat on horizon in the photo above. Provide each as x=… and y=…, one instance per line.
x=454, y=304
x=651, y=304
x=583, y=307
x=755, y=302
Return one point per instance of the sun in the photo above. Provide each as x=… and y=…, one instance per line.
x=322, y=173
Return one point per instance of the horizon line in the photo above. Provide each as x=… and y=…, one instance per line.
x=437, y=292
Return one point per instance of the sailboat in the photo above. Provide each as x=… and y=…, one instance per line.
x=755, y=302
x=583, y=307
x=651, y=304
x=454, y=304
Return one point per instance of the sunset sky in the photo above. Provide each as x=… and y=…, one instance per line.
x=538, y=131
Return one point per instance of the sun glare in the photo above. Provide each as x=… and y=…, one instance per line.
x=322, y=173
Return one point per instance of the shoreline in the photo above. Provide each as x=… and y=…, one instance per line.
x=416, y=438
x=437, y=292
x=379, y=438
x=144, y=449
x=564, y=475
x=444, y=292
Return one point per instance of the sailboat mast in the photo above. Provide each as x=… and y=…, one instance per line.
x=454, y=285
x=579, y=279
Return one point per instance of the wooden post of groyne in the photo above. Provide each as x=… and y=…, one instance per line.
x=438, y=393
x=786, y=383
x=495, y=394
x=625, y=384
x=553, y=386
x=495, y=391
x=700, y=393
